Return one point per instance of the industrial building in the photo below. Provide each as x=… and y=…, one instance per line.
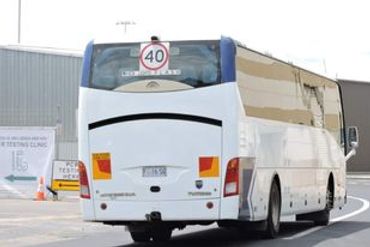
x=356, y=102
x=39, y=87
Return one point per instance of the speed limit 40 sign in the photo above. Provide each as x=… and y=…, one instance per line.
x=154, y=56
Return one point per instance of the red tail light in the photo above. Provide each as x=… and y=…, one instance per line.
x=231, y=187
x=84, y=182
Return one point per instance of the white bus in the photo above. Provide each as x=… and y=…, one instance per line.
x=173, y=133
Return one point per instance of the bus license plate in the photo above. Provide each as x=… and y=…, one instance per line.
x=155, y=171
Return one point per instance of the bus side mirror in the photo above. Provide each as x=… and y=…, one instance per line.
x=352, y=141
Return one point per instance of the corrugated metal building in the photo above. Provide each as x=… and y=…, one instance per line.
x=356, y=101
x=39, y=87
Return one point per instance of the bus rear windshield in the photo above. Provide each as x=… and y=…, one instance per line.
x=193, y=63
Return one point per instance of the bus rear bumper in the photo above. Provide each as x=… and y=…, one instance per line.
x=186, y=210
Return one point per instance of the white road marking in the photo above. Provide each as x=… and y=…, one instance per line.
x=304, y=233
x=13, y=190
x=25, y=219
x=365, y=206
x=361, y=182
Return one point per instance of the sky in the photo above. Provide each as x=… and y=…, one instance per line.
x=329, y=37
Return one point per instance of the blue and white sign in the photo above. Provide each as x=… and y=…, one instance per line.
x=25, y=155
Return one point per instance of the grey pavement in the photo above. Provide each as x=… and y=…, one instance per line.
x=57, y=224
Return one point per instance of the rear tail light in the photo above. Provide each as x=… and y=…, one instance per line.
x=231, y=187
x=84, y=182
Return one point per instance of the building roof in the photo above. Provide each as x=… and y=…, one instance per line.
x=352, y=81
x=43, y=50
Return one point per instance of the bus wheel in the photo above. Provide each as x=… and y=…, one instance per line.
x=273, y=217
x=322, y=218
x=161, y=234
x=140, y=236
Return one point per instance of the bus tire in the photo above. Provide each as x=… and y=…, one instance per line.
x=161, y=234
x=140, y=236
x=274, y=209
x=322, y=218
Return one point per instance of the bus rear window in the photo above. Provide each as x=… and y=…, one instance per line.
x=190, y=63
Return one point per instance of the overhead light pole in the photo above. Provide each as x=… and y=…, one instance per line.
x=125, y=24
x=19, y=20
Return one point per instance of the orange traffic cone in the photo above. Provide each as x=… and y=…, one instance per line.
x=40, y=194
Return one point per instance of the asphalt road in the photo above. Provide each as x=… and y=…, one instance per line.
x=57, y=224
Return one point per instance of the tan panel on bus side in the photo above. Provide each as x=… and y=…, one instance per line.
x=269, y=90
x=279, y=91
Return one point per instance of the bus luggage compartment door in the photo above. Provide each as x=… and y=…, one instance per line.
x=156, y=160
